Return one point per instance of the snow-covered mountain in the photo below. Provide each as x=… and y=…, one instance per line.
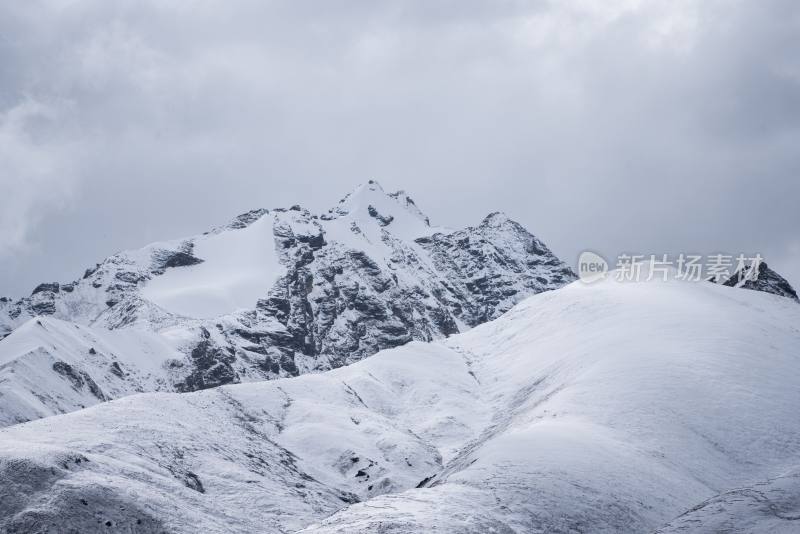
x=274, y=293
x=611, y=407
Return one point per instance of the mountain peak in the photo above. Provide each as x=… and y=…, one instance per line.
x=495, y=218
x=370, y=200
x=362, y=191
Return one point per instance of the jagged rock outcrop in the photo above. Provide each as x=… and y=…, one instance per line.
x=766, y=280
x=489, y=266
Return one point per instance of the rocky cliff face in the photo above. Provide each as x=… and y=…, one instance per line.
x=282, y=292
x=491, y=265
x=767, y=281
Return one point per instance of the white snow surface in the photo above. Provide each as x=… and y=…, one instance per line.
x=239, y=266
x=593, y=408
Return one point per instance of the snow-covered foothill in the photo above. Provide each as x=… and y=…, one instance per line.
x=610, y=407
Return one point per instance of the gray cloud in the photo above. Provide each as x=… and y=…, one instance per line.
x=618, y=126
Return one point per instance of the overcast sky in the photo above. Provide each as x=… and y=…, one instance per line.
x=661, y=126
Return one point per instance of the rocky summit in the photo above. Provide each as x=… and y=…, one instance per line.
x=765, y=280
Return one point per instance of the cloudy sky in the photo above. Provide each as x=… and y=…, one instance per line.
x=614, y=125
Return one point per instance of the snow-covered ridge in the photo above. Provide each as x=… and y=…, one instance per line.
x=281, y=292
x=594, y=408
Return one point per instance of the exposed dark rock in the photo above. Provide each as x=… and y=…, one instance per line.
x=425, y=481
x=93, y=387
x=766, y=280
x=314, y=241
x=246, y=219
x=47, y=307
x=52, y=287
x=68, y=288
x=192, y=481
x=181, y=259
x=165, y=259
x=117, y=370
x=382, y=220
x=211, y=366
x=91, y=271
x=130, y=277
x=78, y=379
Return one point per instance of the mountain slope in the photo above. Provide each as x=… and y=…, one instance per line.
x=770, y=506
x=48, y=367
x=594, y=408
x=278, y=293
